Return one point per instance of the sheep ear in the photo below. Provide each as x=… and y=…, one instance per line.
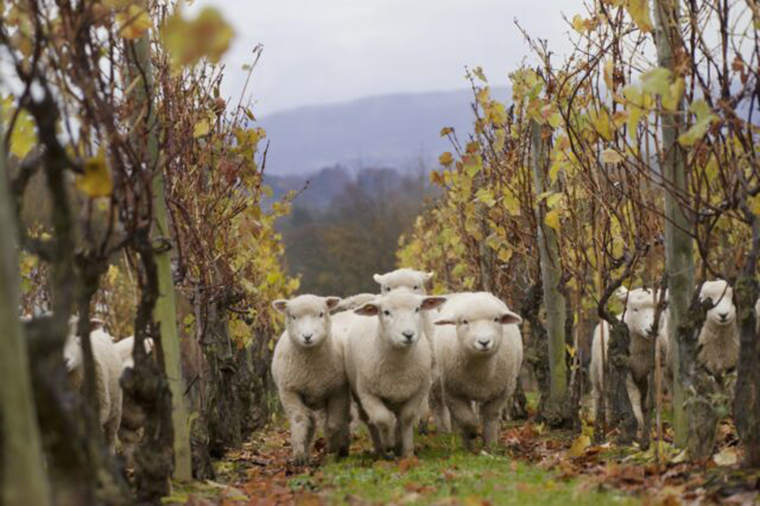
x=427, y=276
x=280, y=305
x=332, y=302
x=97, y=323
x=378, y=278
x=446, y=322
x=509, y=318
x=622, y=293
x=368, y=309
x=429, y=303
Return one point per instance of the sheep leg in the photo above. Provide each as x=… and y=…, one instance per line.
x=405, y=428
x=441, y=415
x=634, y=394
x=338, y=420
x=110, y=429
x=491, y=414
x=466, y=419
x=383, y=420
x=301, y=424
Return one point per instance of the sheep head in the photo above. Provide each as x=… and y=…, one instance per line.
x=307, y=318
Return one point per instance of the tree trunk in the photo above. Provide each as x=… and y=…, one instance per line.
x=165, y=309
x=554, y=301
x=22, y=473
x=747, y=396
x=679, y=249
x=616, y=376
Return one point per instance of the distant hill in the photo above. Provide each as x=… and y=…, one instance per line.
x=400, y=131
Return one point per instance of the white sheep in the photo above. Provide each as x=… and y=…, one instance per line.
x=639, y=316
x=108, y=368
x=480, y=352
x=308, y=369
x=388, y=369
x=719, y=336
x=126, y=346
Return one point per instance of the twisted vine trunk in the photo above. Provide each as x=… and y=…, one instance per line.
x=702, y=415
x=747, y=396
x=616, y=373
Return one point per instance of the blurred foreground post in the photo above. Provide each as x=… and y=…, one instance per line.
x=22, y=471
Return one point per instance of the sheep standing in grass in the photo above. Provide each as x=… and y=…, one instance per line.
x=388, y=369
x=719, y=337
x=108, y=368
x=638, y=316
x=480, y=352
x=308, y=369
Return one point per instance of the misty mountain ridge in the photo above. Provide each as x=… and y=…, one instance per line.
x=401, y=131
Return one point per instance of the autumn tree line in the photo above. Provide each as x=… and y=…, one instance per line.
x=630, y=161
x=131, y=193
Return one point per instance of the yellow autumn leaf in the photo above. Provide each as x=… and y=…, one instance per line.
x=639, y=11
x=579, y=24
x=611, y=156
x=201, y=128
x=579, y=446
x=96, y=180
x=446, y=158
x=133, y=23
x=603, y=124
x=188, y=41
x=552, y=219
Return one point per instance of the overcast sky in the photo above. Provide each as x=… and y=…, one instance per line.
x=318, y=51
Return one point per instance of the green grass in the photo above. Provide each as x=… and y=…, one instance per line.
x=443, y=471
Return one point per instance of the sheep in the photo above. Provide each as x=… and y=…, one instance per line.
x=719, y=336
x=108, y=368
x=388, y=370
x=639, y=316
x=132, y=418
x=308, y=369
x=480, y=352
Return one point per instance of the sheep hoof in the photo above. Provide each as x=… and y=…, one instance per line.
x=300, y=460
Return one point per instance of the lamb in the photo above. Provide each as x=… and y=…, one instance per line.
x=108, y=368
x=308, y=369
x=480, y=351
x=388, y=370
x=639, y=316
x=719, y=337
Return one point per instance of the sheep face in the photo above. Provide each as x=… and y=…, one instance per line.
x=639, y=311
x=72, y=349
x=400, y=316
x=723, y=312
x=307, y=318
x=409, y=279
x=481, y=331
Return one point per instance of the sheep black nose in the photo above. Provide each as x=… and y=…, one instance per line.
x=723, y=316
x=408, y=335
x=307, y=337
x=483, y=343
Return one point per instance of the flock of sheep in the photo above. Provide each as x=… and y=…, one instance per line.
x=392, y=359
x=397, y=356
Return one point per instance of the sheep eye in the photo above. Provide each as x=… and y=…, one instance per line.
x=416, y=287
x=387, y=313
x=417, y=310
x=292, y=317
x=465, y=322
x=496, y=319
x=635, y=310
x=322, y=314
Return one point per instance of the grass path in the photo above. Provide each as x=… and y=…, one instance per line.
x=441, y=473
